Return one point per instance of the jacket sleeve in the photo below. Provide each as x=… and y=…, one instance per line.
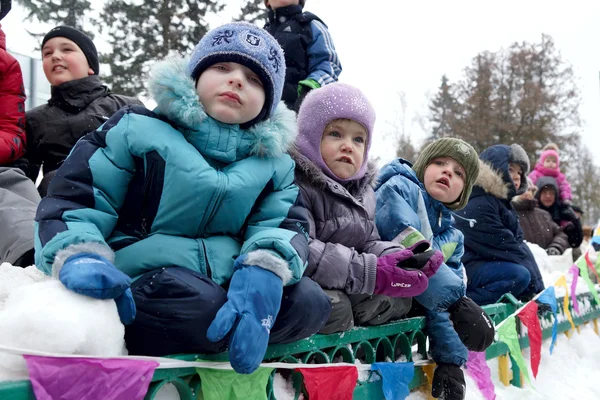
x=400, y=207
x=323, y=63
x=80, y=211
x=444, y=344
x=573, y=226
x=276, y=236
x=560, y=240
x=534, y=175
x=12, y=111
x=335, y=266
x=564, y=187
x=489, y=238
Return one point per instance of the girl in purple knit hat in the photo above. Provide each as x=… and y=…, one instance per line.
x=369, y=281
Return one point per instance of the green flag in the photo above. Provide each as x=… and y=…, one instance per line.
x=507, y=333
x=227, y=384
x=585, y=274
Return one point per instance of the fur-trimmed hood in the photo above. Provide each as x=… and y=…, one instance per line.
x=175, y=94
x=494, y=177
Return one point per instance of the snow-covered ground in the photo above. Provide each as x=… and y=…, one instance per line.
x=38, y=313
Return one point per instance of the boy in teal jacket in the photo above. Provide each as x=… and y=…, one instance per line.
x=196, y=194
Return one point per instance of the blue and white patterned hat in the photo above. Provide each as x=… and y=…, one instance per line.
x=248, y=45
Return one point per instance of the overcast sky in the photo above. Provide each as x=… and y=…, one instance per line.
x=388, y=46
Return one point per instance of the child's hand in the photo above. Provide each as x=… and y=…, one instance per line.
x=94, y=276
x=397, y=282
x=253, y=302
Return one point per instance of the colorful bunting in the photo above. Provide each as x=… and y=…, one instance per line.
x=329, y=383
x=574, y=270
x=396, y=377
x=89, y=378
x=548, y=296
x=481, y=374
x=228, y=384
x=591, y=265
x=562, y=281
x=507, y=333
x=583, y=271
x=529, y=318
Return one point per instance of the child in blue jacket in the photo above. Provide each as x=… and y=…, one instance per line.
x=196, y=194
x=416, y=203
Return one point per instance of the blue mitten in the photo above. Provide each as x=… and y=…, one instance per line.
x=253, y=302
x=94, y=276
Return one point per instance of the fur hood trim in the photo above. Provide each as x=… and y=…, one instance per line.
x=491, y=181
x=176, y=98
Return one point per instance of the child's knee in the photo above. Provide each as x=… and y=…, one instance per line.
x=341, y=317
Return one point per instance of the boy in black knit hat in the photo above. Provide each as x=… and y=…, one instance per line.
x=310, y=55
x=79, y=102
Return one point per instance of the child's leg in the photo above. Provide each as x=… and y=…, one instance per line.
x=378, y=309
x=175, y=307
x=341, y=318
x=445, y=288
x=304, y=310
x=491, y=280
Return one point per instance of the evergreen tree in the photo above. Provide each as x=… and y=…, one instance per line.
x=141, y=33
x=73, y=13
x=442, y=109
x=254, y=11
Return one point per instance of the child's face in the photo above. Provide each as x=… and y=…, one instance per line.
x=514, y=171
x=550, y=162
x=547, y=196
x=63, y=61
x=231, y=93
x=444, y=179
x=274, y=4
x=343, y=147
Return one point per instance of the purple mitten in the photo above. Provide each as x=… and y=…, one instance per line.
x=397, y=282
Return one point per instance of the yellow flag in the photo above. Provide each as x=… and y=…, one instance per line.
x=562, y=281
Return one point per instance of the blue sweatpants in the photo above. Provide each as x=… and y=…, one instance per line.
x=493, y=279
x=175, y=307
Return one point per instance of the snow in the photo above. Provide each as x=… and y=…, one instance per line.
x=39, y=313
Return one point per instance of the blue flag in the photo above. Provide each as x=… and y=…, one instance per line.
x=396, y=377
x=549, y=297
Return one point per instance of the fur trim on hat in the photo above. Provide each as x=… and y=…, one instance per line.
x=551, y=146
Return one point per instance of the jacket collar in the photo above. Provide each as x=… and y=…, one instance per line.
x=75, y=95
x=284, y=13
x=524, y=204
x=313, y=174
x=177, y=100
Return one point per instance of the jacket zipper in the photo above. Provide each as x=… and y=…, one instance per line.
x=145, y=199
x=214, y=201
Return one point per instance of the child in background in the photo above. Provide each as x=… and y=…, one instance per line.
x=415, y=203
x=497, y=259
x=347, y=258
x=79, y=102
x=195, y=195
x=310, y=56
x=549, y=165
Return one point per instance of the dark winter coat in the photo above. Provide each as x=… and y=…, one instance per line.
x=175, y=187
x=497, y=235
x=308, y=48
x=562, y=214
x=75, y=108
x=12, y=107
x=538, y=226
x=344, y=242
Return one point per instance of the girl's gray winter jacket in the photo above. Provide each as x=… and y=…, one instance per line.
x=344, y=242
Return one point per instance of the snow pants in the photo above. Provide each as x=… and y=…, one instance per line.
x=175, y=307
x=493, y=279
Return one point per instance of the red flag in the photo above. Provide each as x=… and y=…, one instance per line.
x=329, y=383
x=529, y=318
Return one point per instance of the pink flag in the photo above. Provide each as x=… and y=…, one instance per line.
x=591, y=266
x=529, y=318
x=480, y=372
x=575, y=271
x=89, y=378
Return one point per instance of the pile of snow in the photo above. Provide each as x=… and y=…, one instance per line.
x=39, y=313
